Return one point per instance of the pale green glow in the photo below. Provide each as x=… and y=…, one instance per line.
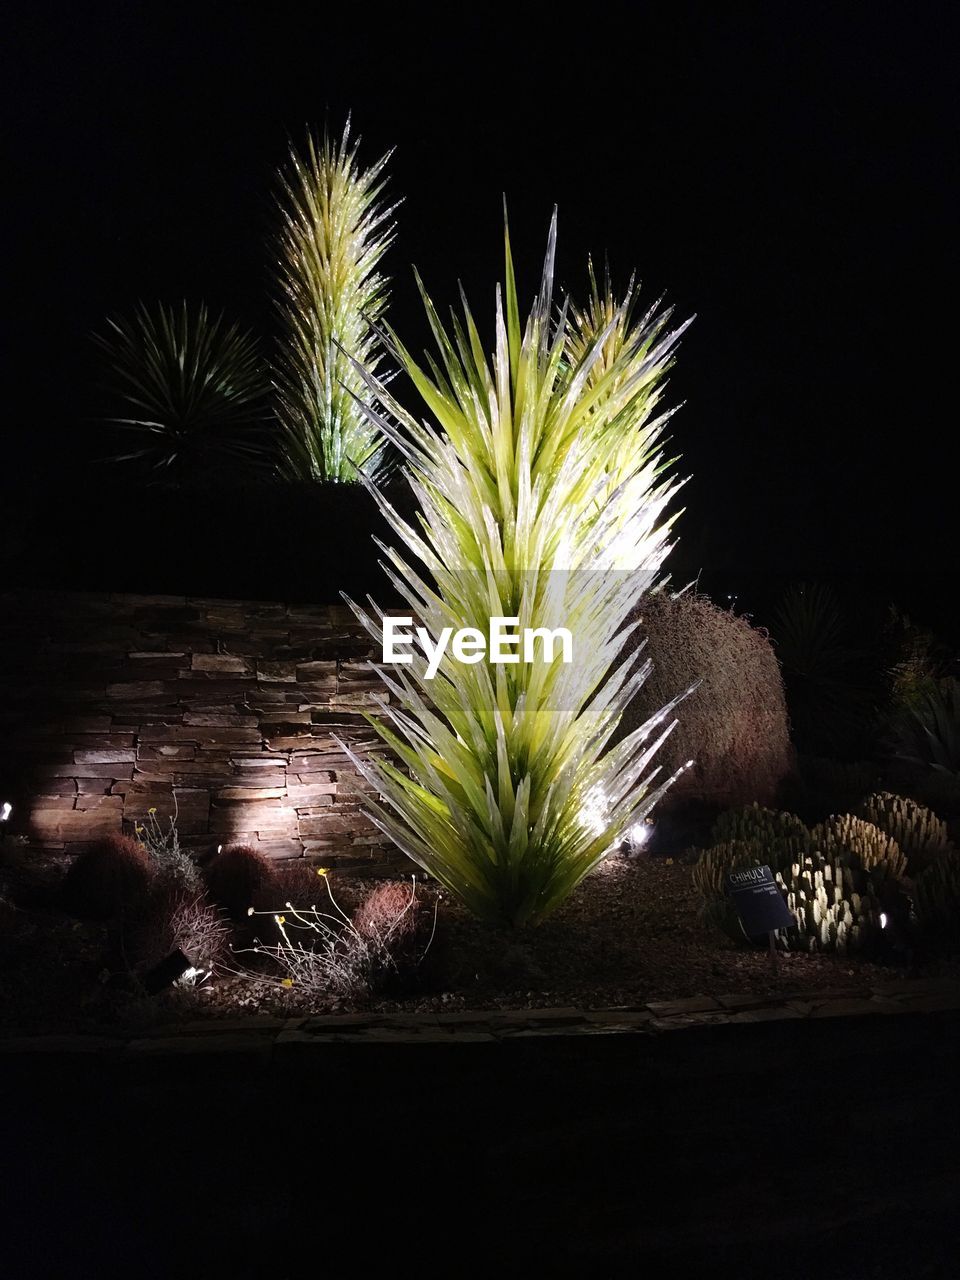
x=543, y=495
x=330, y=295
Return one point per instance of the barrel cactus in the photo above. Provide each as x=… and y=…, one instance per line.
x=936, y=899
x=917, y=830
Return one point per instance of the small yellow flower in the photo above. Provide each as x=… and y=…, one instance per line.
x=287, y=982
x=151, y=810
x=669, y=862
x=280, y=919
x=323, y=871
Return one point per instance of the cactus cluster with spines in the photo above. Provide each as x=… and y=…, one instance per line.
x=872, y=847
x=917, y=830
x=834, y=903
x=778, y=830
x=714, y=864
x=936, y=898
x=832, y=877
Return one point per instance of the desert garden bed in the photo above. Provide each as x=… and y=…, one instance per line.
x=629, y=934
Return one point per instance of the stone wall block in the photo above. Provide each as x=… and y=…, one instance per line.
x=113, y=703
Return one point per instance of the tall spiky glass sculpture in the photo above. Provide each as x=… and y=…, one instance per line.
x=542, y=491
x=330, y=294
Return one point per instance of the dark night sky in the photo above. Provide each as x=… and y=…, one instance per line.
x=786, y=172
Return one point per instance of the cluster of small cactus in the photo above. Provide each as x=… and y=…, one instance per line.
x=833, y=901
x=834, y=878
x=917, y=830
x=873, y=848
x=768, y=829
x=711, y=868
x=710, y=878
x=936, y=898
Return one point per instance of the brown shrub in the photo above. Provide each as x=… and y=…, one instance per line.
x=734, y=726
x=111, y=878
x=324, y=951
x=239, y=878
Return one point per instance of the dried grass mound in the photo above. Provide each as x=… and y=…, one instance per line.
x=239, y=878
x=734, y=726
x=111, y=878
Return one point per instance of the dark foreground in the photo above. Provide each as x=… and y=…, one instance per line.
x=791, y=1148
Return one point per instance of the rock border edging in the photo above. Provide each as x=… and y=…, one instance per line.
x=261, y=1035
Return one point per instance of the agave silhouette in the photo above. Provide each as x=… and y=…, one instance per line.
x=833, y=686
x=927, y=732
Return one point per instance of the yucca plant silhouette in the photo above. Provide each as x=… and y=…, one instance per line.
x=926, y=733
x=195, y=389
x=543, y=492
x=330, y=295
x=834, y=684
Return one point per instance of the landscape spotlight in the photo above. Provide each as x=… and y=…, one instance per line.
x=639, y=834
x=176, y=966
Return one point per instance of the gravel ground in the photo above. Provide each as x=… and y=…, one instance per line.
x=629, y=934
